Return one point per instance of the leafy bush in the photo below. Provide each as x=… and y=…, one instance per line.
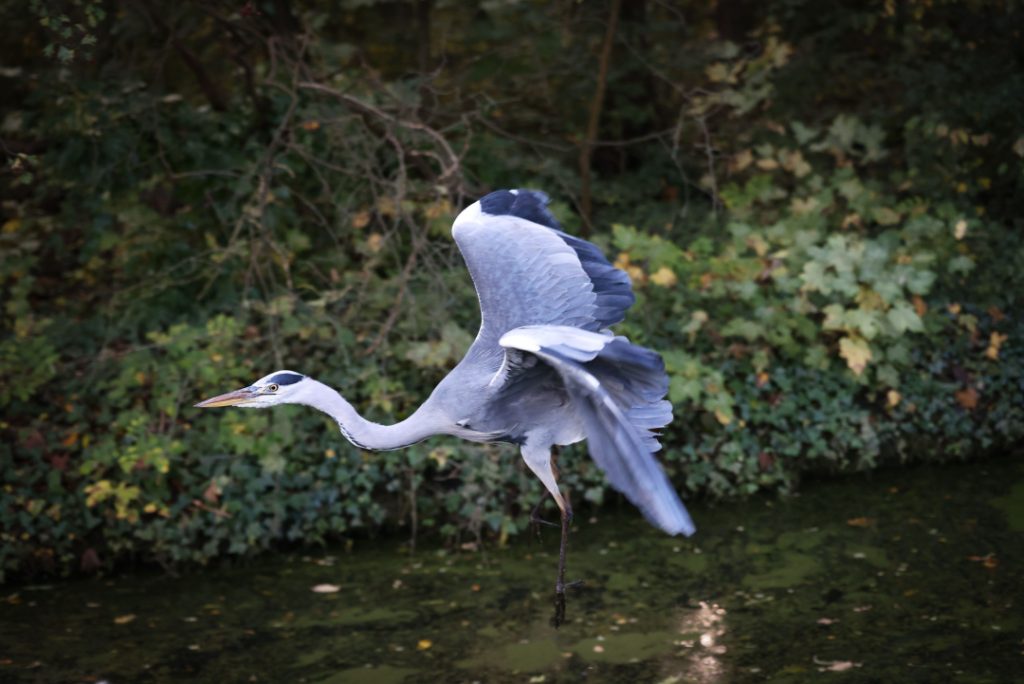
x=829, y=264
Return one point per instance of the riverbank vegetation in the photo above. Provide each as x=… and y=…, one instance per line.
x=819, y=205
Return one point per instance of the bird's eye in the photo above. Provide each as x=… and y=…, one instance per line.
x=272, y=388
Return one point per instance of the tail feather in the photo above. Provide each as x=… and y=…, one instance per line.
x=618, y=390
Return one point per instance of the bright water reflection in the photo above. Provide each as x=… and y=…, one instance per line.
x=909, y=576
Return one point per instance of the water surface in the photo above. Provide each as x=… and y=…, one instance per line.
x=908, y=575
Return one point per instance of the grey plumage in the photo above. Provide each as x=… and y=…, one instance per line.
x=554, y=374
x=544, y=369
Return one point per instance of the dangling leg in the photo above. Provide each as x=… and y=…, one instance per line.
x=539, y=460
x=535, y=518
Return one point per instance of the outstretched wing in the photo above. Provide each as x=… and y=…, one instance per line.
x=617, y=388
x=528, y=272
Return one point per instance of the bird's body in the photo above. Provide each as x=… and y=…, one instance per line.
x=544, y=369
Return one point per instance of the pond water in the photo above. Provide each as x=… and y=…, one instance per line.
x=911, y=575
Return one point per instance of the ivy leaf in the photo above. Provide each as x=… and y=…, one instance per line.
x=920, y=281
x=872, y=137
x=815, y=278
x=740, y=327
x=857, y=353
x=865, y=322
x=805, y=134
x=961, y=264
x=844, y=130
x=835, y=317
x=902, y=317
x=885, y=216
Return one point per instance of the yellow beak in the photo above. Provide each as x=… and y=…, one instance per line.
x=229, y=399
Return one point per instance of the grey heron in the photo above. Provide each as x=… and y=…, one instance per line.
x=544, y=369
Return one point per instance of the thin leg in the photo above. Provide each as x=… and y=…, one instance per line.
x=539, y=461
x=559, y=616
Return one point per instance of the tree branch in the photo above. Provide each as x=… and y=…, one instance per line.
x=587, y=145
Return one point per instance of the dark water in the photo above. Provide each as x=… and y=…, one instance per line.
x=914, y=575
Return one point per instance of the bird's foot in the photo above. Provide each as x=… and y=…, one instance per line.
x=537, y=520
x=558, y=619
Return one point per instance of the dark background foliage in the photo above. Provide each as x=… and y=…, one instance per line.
x=819, y=205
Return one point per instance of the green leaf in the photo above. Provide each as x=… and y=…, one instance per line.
x=741, y=327
x=962, y=264
x=902, y=317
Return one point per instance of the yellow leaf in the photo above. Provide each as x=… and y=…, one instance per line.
x=722, y=417
x=893, y=398
x=953, y=308
x=326, y=589
x=795, y=163
x=361, y=219
x=1018, y=147
x=424, y=644
x=995, y=341
x=330, y=453
x=960, y=229
x=856, y=352
x=767, y=164
x=718, y=72
x=386, y=206
x=741, y=161
x=886, y=217
x=436, y=210
x=11, y=226
x=664, y=277
x=804, y=206
x=124, y=619
x=375, y=242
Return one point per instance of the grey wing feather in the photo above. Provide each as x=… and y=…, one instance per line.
x=612, y=287
x=617, y=391
x=528, y=272
x=524, y=274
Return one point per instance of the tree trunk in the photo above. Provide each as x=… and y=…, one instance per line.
x=594, y=120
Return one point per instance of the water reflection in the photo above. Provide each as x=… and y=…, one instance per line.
x=783, y=598
x=703, y=631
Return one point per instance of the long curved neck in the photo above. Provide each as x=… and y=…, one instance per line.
x=363, y=433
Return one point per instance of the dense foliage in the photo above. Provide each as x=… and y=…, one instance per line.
x=819, y=205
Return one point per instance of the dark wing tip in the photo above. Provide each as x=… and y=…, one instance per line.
x=531, y=205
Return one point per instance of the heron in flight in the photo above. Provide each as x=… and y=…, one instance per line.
x=544, y=370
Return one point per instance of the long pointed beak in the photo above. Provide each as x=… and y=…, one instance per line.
x=228, y=399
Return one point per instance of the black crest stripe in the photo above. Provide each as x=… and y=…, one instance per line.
x=286, y=378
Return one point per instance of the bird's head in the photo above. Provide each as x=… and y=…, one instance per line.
x=280, y=387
